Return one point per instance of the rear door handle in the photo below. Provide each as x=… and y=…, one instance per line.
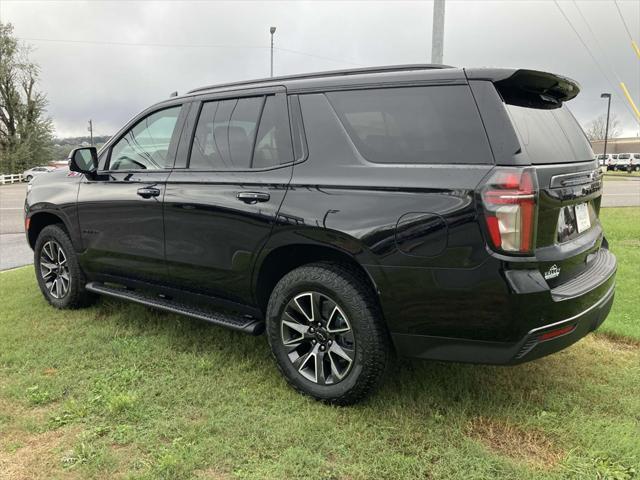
x=253, y=197
x=148, y=192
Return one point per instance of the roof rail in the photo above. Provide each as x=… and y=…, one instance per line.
x=330, y=73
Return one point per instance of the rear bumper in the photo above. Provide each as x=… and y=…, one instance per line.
x=584, y=311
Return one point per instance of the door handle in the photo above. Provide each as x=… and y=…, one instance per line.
x=253, y=197
x=148, y=192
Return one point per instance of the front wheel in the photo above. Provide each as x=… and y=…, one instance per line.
x=58, y=272
x=326, y=333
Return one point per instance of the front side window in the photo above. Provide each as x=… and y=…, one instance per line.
x=414, y=125
x=146, y=145
x=241, y=134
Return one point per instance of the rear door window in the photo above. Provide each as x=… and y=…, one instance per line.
x=414, y=125
x=241, y=134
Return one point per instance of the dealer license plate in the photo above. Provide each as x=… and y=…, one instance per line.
x=582, y=217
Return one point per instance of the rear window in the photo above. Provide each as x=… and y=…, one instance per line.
x=624, y=156
x=550, y=136
x=434, y=124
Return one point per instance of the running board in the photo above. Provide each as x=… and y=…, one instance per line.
x=234, y=321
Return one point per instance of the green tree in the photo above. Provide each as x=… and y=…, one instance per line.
x=25, y=131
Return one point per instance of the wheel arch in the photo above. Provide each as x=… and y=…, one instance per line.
x=281, y=260
x=39, y=220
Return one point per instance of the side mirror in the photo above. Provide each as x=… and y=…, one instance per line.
x=83, y=160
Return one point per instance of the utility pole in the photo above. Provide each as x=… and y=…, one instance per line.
x=91, y=131
x=437, y=33
x=272, y=30
x=606, y=127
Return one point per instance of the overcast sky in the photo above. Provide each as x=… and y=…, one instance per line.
x=92, y=67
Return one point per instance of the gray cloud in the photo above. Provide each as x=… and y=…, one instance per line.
x=111, y=82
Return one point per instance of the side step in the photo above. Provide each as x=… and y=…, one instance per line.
x=233, y=321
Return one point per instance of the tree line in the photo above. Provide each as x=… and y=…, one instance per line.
x=25, y=130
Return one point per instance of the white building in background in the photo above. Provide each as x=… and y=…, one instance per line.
x=617, y=145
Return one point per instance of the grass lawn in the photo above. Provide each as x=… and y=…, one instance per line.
x=120, y=391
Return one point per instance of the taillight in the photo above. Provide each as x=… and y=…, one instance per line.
x=509, y=199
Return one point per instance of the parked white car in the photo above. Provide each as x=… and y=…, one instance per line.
x=628, y=161
x=605, y=160
x=634, y=162
x=28, y=175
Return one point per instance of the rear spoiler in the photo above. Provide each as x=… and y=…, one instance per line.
x=528, y=88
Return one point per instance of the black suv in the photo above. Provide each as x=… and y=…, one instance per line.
x=438, y=212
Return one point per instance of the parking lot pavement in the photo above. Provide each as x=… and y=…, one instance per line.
x=621, y=193
x=15, y=252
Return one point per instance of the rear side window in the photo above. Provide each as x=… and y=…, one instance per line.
x=550, y=135
x=240, y=134
x=414, y=125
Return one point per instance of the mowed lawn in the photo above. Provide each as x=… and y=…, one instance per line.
x=120, y=391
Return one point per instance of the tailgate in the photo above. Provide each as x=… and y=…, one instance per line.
x=568, y=229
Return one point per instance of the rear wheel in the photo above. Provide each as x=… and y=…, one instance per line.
x=29, y=177
x=326, y=334
x=59, y=275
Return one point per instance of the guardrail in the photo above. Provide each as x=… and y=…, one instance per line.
x=4, y=179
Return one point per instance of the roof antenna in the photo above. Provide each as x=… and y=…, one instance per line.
x=173, y=94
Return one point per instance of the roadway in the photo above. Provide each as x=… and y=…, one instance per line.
x=15, y=252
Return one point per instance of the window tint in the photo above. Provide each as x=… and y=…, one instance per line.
x=225, y=134
x=438, y=124
x=228, y=135
x=273, y=143
x=550, y=136
x=146, y=146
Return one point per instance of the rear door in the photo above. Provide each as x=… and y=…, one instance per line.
x=120, y=209
x=234, y=164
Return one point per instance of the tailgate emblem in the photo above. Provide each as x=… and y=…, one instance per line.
x=553, y=272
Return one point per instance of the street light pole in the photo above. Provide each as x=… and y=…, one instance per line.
x=91, y=131
x=437, y=34
x=272, y=30
x=606, y=128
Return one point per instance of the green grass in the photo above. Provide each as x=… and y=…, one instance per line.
x=120, y=391
x=622, y=230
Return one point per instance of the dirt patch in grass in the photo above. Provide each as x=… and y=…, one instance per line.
x=618, y=342
x=34, y=456
x=29, y=455
x=530, y=446
x=211, y=473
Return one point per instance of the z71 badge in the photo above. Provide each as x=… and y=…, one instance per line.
x=553, y=272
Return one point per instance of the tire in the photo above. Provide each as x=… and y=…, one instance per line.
x=54, y=260
x=29, y=177
x=355, y=340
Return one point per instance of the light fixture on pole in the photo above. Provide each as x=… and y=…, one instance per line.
x=272, y=30
x=606, y=127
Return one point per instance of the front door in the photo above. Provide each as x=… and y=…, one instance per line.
x=120, y=209
x=220, y=208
